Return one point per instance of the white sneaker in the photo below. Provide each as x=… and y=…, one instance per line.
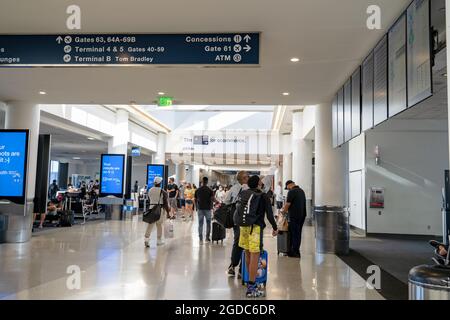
x=160, y=242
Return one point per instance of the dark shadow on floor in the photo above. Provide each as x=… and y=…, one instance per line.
x=395, y=255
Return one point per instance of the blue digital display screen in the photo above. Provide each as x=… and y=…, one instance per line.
x=153, y=171
x=112, y=174
x=13, y=163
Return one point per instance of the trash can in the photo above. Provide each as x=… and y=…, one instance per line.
x=3, y=227
x=128, y=209
x=332, y=229
x=427, y=282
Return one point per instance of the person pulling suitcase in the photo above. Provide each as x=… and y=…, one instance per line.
x=205, y=199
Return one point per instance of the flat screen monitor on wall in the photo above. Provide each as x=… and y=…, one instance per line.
x=13, y=165
x=340, y=117
x=153, y=171
x=418, y=52
x=112, y=175
x=348, y=110
x=397, y=67
x=356, y=102
x=380, y=76
x=367, y=93
x=334, y=121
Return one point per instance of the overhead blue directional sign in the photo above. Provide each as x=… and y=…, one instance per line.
x=129, y=49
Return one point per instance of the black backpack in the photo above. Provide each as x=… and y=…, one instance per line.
x=247, y=208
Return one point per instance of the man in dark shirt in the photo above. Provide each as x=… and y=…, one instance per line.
x=205, y=198
x=296, y=209
x=172, y=190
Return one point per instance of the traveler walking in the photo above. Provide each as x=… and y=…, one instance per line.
x=157, y=201
x=251, y=207
x=181, y=198
x=279, y=196
x=230, y=198
x=220, y=194
x=189, y=196
x=172, y=190
x=295, y=207
x=204, y=197
x=53, y=190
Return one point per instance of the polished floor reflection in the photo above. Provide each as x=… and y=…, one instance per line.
x=115, y=264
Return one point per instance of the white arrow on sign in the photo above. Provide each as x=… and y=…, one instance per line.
x=247, y=48
x=247, y=38
x=59, y=39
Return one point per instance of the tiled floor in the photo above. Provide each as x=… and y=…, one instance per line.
x=115, y=264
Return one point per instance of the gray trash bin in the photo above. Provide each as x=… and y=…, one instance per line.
x=332, y=229
x=427, y=282
x=3, y=227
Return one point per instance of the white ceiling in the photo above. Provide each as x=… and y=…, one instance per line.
x=329, y=36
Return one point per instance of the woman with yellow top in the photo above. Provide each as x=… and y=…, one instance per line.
x=189, y=195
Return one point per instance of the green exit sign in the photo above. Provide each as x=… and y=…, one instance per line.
x=165, y=101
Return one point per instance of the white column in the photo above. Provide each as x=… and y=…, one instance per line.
x=287, y=159
x=118, y=144
x=301, y=156
x=196, y=174
x=182, y=172
x=24, y=115
x=330, y=164
x=161, y=152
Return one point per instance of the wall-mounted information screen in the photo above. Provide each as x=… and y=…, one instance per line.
x=348, y=110
x=340, y=116
x=13, y=165
x=380, y=99
x=397, y=67
x=356, y=103
x=367, y=93
x=334, y=121
x=418, y=52
x=153, y=171
x=112, y=175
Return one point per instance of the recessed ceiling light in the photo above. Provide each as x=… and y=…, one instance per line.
x=90, y=138
x=76, y=158
x=42, y=92
x=161, y=93
x=294, y=59
x=285, y=93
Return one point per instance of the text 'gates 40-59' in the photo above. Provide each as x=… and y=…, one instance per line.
x=129, y=49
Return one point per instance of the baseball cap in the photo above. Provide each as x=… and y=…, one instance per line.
x=288, y=183
x=157, y=180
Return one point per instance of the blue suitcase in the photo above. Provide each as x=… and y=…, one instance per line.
x=263, y=266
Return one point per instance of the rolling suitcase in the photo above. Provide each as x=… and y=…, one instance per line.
x=218, y=232
x=261, y=274
x=283, y=242
x=66, y=219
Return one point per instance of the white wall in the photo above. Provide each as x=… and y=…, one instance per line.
x=356, y=168
x=414, y=155
x=102, y=120
x=139, y=173
x=83, y=169
x=309, y=122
